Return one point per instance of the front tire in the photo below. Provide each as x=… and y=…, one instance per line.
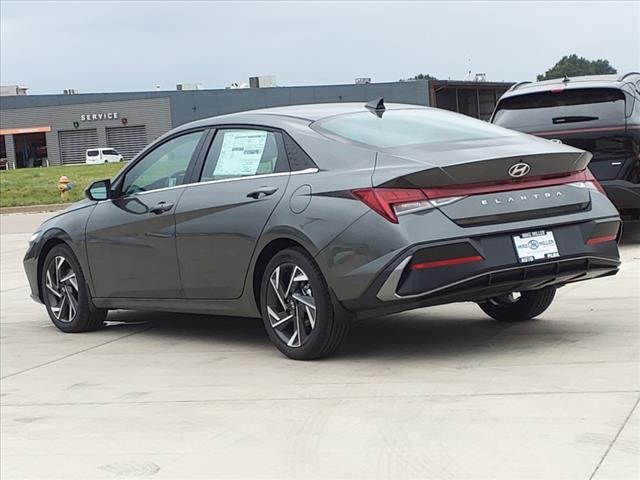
x=65, y=293
x=297, y=309
x=509, y=308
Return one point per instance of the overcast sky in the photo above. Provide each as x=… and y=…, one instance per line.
x=121, y=46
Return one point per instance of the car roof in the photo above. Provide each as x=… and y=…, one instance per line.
x=585, y=81
x=281, y=116
x=317, y=111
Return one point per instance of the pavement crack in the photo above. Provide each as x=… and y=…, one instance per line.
x=73, y=354
x=615, y=438
x=310, y=398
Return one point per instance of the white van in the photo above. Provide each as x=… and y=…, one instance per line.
x=102, y=155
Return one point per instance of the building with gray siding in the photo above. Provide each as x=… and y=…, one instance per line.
x=57, y=129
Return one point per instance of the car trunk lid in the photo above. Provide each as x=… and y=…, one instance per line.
x=477, y=175
x=463, y=162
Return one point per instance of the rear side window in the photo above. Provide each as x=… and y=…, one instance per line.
x=109, y=152
x=242, y=153
x=92, y=153
x=570, y=108
x=396, y=128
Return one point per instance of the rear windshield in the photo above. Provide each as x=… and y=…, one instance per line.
x=398, y=128
x=549, y=111
x=92, y=153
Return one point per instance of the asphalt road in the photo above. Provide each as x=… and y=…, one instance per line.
x=443, y=392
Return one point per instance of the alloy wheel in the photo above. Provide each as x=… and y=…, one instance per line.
x=62, y=289
x=291, y=307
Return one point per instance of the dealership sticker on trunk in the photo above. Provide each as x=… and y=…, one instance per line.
x=538, y=245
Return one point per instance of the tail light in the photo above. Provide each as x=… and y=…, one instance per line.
x=589, y=182
x=391, y=202
x=447, y=262
x=601, y=239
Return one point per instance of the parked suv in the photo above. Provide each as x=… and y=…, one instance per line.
x=102, y=155
x=600, y=114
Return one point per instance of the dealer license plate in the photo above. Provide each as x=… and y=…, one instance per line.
x=533, y=246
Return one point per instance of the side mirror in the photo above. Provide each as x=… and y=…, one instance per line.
x=100, y=190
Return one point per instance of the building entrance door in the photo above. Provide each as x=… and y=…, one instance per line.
x=31, y=150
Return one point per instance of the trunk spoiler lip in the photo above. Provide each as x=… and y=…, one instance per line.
x=392, y=170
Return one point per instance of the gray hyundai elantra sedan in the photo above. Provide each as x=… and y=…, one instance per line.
x=313, y=216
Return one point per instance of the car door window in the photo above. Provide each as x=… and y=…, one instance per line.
x=236, y=153
x=165, y=166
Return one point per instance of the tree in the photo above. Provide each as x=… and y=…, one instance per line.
x=420, y=76
x=574, y=66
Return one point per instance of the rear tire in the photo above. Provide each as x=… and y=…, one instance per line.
x=529, y=305
x=297, y=309
x=66, y=295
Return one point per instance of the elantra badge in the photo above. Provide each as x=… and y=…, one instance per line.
x=522, y=198
x=519, y=170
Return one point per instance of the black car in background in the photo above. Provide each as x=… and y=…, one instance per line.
x=600, y=114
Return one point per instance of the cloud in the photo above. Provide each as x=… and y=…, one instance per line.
x=120, y=46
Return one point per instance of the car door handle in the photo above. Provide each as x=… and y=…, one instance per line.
x=161, y=208
x=262, y=191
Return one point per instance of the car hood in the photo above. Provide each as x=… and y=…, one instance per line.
x=71, y=208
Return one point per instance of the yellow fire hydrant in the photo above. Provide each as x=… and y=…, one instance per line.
x=64, y=187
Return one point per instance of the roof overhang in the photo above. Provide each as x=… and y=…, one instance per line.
x=17, y=131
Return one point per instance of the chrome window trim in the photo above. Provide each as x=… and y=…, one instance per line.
x=247, y=177
x=224, y=180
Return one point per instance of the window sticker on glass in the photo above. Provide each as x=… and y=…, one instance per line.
x=240, y=153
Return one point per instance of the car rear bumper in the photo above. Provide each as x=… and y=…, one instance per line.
x=494, y=268
x=623, y=194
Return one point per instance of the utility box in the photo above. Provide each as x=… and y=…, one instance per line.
x=189, y=86
x=262, y=81
x=12, y=90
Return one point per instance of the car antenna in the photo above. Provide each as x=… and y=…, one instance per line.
x=376, y=106
x=566, y=79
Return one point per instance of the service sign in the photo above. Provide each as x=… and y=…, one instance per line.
x=92, y=117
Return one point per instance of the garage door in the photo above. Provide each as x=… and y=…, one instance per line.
x=128, y=141
x=75, y=143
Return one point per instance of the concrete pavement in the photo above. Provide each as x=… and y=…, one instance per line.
x=443, y=392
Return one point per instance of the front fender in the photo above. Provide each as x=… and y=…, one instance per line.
x=68, y=228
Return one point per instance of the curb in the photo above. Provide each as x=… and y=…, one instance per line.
x=35, y=208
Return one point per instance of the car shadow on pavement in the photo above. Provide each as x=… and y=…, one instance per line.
x=419, y=333
x=228, y=331
x=630, y=232
x=416, y=334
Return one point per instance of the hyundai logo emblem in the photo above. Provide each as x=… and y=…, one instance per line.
x=519, y=170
